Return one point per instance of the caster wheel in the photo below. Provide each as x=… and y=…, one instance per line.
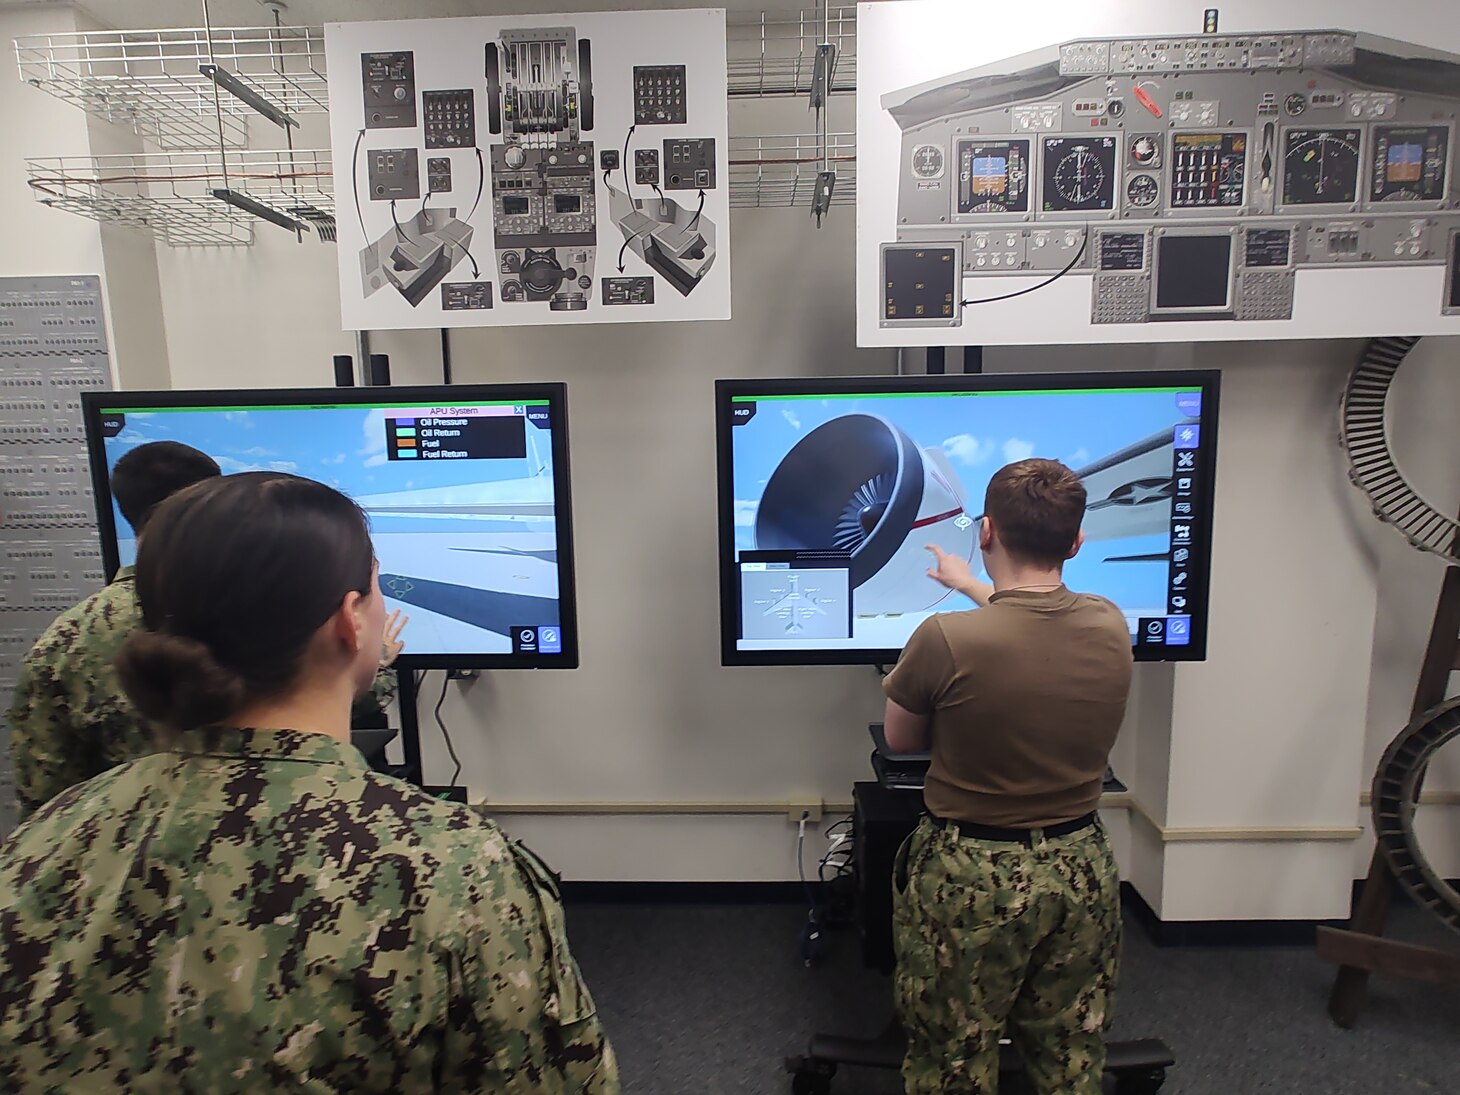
x=1144, y=1084
x=810, y=1083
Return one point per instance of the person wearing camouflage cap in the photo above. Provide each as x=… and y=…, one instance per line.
x=1006, y=898
x=69, y=719
x=250, y=908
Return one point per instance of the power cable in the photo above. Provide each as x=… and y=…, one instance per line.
x=445, y=734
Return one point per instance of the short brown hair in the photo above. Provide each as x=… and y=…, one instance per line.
x=1037, y=507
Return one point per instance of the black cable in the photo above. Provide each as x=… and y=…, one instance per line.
x=628, y=188
x=445, y=734
x=425, y=200
x=1010, y=296
x=396, y=222
x=481, y=183
x=355, y=187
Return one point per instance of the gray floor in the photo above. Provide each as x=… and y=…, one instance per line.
x=709, y=999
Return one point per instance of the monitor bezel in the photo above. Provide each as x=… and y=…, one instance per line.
x=92, y=403
x=1207, y=381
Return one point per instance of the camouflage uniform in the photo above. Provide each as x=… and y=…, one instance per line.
x=992, y=934
x=255, y=910
x=69, y=719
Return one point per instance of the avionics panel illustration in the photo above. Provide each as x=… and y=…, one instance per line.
x=830, y=492
x=1185, y=177
x=545, y=217
x=466, y=490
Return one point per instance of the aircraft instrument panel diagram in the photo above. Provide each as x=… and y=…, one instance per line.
x=1186, y=187
x=531, y=170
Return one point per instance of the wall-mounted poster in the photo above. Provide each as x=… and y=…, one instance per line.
x=515, y=170
x=1156, y=170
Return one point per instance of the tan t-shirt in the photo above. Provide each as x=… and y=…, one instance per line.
x=1026, y=697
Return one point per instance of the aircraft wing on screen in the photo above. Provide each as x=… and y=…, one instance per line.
x=508, y=499
x=1129, y=492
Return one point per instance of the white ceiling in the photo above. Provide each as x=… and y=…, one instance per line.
x=152, y=14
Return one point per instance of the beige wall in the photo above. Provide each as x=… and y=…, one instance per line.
x=1319, y=612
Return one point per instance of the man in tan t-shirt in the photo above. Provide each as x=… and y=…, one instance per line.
x=1006, y=907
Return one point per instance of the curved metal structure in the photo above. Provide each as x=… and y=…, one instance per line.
x=1371, y=461
x=1397, y=781
x=1401, y=772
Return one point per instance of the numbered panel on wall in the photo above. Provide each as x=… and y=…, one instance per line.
x=1112, y=172
x=517, y=170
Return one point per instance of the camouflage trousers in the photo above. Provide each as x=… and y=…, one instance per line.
x=993, y=936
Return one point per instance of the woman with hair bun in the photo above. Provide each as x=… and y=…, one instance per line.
x=252, y=908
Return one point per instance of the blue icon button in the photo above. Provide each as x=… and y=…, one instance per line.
x=1187, y=436
x=549, y=640
x=1178, y=630
x=1189, y=404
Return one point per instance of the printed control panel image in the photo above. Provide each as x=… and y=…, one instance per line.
x=540, y=102
x=509, y=171
x=1185, y=178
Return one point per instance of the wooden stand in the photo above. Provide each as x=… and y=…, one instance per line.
x=1362, y=950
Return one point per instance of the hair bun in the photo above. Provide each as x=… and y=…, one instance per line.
x=176, y=681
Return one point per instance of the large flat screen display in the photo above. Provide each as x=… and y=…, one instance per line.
x=466, y=489
x=831, y=490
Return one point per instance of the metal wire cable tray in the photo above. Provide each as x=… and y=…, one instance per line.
x=151, y=80
x=170, y=194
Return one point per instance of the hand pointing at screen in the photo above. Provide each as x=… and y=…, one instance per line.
x=955, y=573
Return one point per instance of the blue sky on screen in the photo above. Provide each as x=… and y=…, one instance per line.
x=980, y=434
x=341, y=446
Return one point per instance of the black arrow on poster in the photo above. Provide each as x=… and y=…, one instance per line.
x=481, y=182
x=628, y=191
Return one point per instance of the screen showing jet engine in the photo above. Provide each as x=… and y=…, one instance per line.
x=831, y=491
x=465, y=488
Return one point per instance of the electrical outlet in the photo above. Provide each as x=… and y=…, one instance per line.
x=463, y=674
x=812, y=810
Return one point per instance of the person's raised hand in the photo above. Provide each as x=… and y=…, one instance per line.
x=949, y=570
x=954, y=572
x=393, y=644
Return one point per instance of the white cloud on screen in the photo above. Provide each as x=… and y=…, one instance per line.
x=374, y=450
x=1078, y=457
x=790, y=417
x=967, y=449
x=1016, y=450
x=745, y=513
x=339, y=458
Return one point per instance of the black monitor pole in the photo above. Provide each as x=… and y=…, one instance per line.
x=377, y=372
x=410, y=725
x=972, y=359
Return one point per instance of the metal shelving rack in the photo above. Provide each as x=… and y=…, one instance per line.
x=170, y=194
x=781, y=170
x=775, y=53
x=154, y=82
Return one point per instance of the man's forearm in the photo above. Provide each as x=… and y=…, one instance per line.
x=977, y=592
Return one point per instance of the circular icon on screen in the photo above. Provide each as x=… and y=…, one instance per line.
x=528, y=635
x=549, y=635
x=1154, y=627
x=963, y=520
